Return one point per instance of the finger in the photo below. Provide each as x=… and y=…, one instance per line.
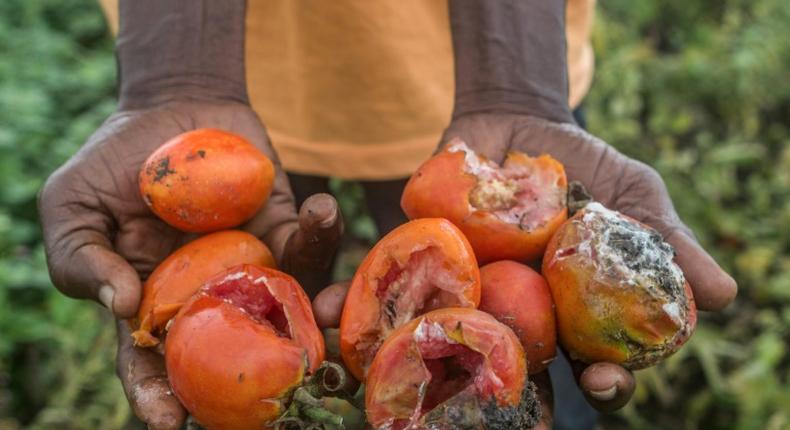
x=328, y=305
x=144, y=380
x=713, y=288
x=607, y=386
x=543, y=381
x=80, y=257
x=311, y=248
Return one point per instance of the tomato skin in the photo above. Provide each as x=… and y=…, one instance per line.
x=182, y=274
x=232, y=372
x=206, y=180
x=441, y=187
x=363, y=308
x=520, y=298
x=601, y=318
x=398, y=370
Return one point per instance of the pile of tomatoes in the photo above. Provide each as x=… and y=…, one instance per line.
x=445, y=320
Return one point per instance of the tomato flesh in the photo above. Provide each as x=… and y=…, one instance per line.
x=258, y=303
x=517, y=193
x=423, y=285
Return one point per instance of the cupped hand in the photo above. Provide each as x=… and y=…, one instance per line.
x=328, y=308
x=618, y=182
x=102, y=240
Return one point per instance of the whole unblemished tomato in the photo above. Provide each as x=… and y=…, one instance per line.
x=206, y=180
x=238, y=348
x=507, y=212
x=451, y=368
x=520, y=298
x=182, y=274
x=619, y=295
x=420, y=266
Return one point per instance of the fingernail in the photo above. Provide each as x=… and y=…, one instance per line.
x=604, y=395
x=330, y=220
x=106, y=295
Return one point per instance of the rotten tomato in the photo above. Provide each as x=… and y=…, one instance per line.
x=619, y=295
x=420, y=266
x=451, y=368
x=507, y=212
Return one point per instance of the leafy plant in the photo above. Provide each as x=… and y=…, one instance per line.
x=697, y=89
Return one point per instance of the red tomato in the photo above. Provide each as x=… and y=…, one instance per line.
x=507, y=212
x=451, y=368
x=520, y=298
x=238, y=348
x=206, y=180
x=420, y=266
x=181, y=274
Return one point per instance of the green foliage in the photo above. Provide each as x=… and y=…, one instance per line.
x=700, y=91
x=57, y=78
x=697, y=89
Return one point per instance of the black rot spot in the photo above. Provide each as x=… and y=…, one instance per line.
x=163, y=169
x=199, y=153
x=240, y=378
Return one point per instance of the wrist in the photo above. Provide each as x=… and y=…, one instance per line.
x=530, y=103
x=510, y=57
x=180, y=49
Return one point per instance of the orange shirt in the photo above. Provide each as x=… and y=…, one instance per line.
x=361, y=89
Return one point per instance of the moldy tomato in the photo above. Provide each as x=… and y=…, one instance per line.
x=520, y=298
x=507, y=212
x=240, y=346
x=451, y=368
x=206, y=180
x=420, y=266
x=619, y=295
x=182, y=273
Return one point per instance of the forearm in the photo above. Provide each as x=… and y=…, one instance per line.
x=510, y=57
x=177, y=48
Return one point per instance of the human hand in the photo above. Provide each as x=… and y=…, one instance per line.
x=328, y=307
x=618, y=182
x=101, y=239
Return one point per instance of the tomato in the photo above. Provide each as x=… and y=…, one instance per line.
x=238, y=348
x=420, y=266
x=507, y=212
x=451, y=368
x=520, y=298
x=206, y=180
x=182, y=273
x=619, y=295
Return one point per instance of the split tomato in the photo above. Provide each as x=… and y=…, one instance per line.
x=451, y=368
x=420, y=266
x=238, y=348
x=507, y=212
x=182, y=274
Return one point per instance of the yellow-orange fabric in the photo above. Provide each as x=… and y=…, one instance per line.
x=363, y=89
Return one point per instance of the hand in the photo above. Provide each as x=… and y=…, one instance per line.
x=618, y=182
x=328, y=307
x=101, y=239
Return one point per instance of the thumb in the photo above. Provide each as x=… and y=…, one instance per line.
x=80, y=257
x=312, y=246
x=96, y=272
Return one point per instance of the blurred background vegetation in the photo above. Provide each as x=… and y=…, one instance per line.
x=700, y=89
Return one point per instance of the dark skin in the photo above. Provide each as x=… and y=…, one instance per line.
x=179, y=72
